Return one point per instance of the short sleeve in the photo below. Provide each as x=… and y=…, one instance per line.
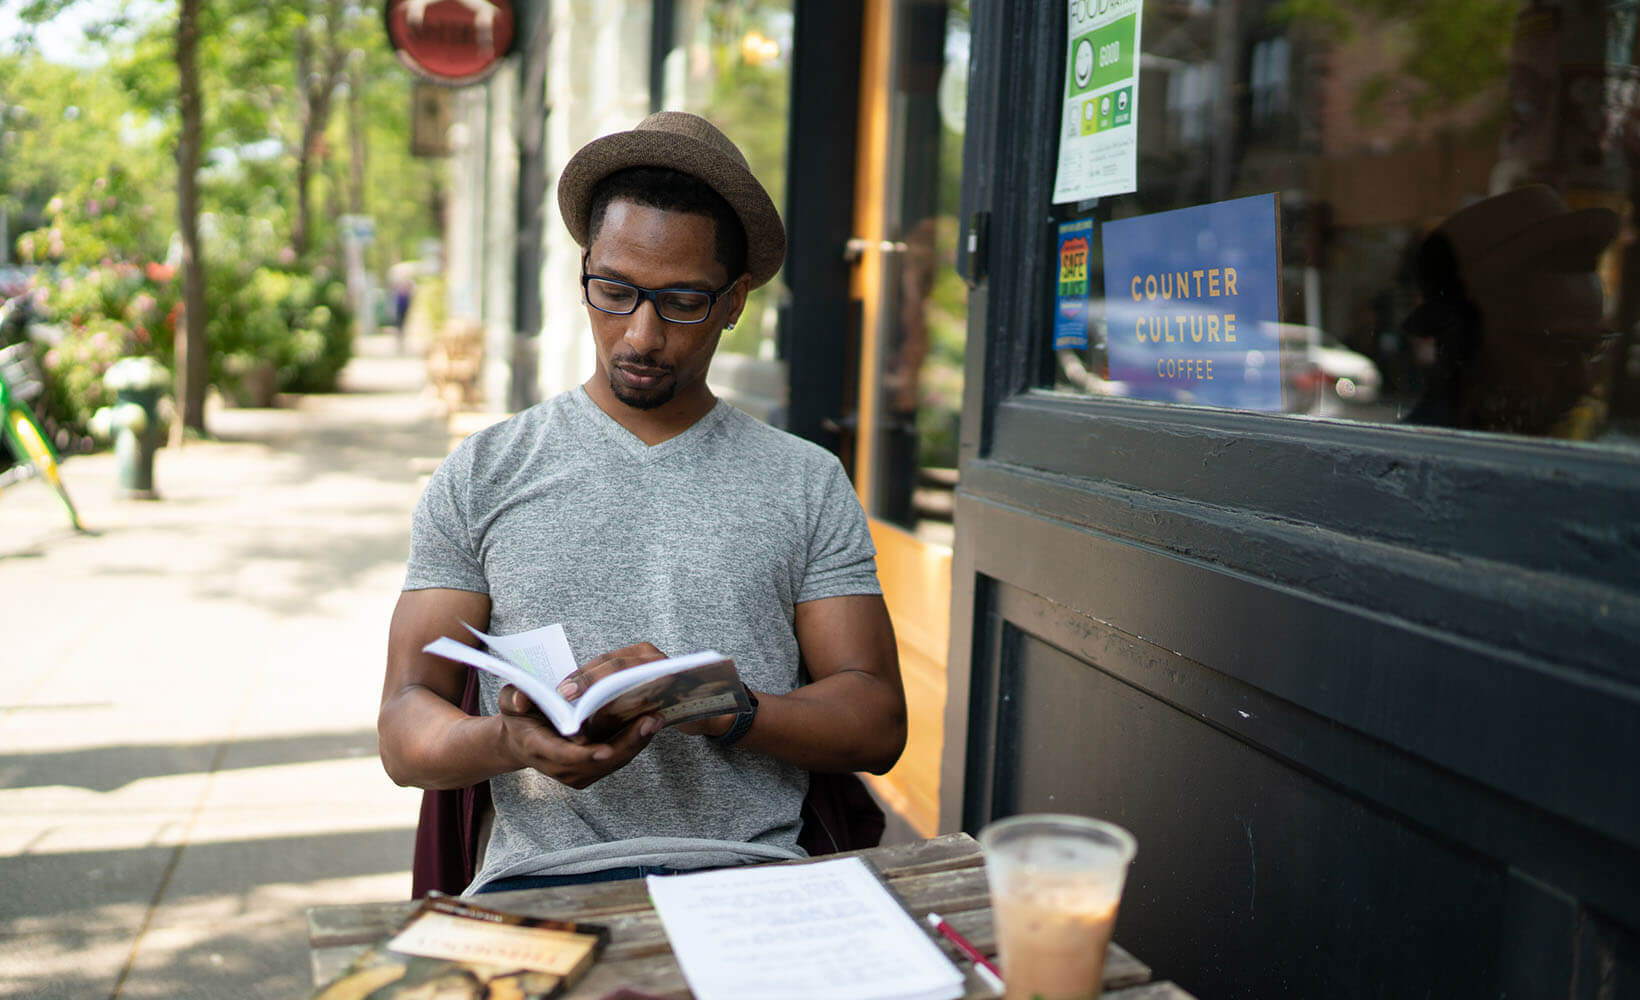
x=443, y=552
x=842, y=560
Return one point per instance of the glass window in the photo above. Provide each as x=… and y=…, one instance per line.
x=731, y=63
x=1457, y=186
x=923, y=321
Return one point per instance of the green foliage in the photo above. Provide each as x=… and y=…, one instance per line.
x=65, y=130
x=747, y=98
x=62, y=129
x=296, y=321
x=93, y=224
x=1454, y=50
x=89, y=319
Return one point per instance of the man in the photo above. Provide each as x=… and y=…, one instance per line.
x=1512, y=301
x=647, y=516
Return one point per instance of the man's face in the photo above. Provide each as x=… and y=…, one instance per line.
x=646, y=361
x=1538, y=352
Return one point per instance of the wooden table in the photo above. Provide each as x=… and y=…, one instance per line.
x=945, y=875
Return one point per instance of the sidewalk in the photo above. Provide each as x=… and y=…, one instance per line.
x=187, y=724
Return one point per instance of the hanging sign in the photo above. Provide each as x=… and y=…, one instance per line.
x=1099, y=134
x=1193, y=300
x=1070, y=314
x=453, y=42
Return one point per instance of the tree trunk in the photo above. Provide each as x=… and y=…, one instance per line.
x=319, y=64
x=191, y=348
x=356, y=135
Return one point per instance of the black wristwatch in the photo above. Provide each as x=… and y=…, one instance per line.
x=743, y=722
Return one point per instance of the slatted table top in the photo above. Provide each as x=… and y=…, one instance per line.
x=944, y=874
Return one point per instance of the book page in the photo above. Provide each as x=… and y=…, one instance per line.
x=830, y=930
x=539, y=690
x=543, y=652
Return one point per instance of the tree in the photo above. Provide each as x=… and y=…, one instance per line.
x=191, y=360
x=321, y=56
x=1454, y=50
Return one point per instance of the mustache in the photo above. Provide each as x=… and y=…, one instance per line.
x=641, y=361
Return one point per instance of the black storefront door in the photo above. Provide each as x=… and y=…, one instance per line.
x=1368, y=694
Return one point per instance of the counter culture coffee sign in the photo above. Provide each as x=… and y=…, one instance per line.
x=1099, y=132
x=453, y=42
x=1192, y=298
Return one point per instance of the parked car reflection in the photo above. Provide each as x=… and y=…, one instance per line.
x=1320, y=375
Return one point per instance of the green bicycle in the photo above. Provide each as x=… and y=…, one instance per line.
x=29, y=445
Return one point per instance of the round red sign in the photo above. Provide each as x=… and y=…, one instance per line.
x=451, y=41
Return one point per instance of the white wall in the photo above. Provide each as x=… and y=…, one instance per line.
x=500, y=234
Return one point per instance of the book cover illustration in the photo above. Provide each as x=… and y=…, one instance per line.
x=448, y=949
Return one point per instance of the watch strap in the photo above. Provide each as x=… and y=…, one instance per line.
x=742, y=723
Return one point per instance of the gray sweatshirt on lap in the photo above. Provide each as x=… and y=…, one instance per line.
x=706, y=541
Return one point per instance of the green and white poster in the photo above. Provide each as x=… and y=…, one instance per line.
x=1099, y=135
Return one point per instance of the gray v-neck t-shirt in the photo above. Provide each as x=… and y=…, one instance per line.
x=708, y=540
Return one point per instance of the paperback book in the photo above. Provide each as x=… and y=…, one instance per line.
x=455, y=950
x=677, y=689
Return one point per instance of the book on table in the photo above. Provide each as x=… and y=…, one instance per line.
x=824, y=930
x=677, y=689
x=455, y=950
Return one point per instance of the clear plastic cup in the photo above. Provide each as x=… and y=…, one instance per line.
x=1055, y=885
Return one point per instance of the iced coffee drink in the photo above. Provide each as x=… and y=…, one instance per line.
x=1055, y=885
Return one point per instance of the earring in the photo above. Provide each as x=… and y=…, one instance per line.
x=731, y=326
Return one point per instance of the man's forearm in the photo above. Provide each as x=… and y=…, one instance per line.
x=849, y=721
x=426, y=742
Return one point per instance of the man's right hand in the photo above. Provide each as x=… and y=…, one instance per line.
x=533, y=742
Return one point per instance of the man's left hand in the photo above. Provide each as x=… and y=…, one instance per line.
x=599, y=667
x=604, y=664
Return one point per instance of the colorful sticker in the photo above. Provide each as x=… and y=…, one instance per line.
x=1070, y=314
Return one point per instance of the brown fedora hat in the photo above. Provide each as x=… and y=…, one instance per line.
x=689, y=144
x=1507, y=231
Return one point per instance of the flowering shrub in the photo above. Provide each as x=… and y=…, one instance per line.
x=93, y=307
x=297, y=322
x=82, y=324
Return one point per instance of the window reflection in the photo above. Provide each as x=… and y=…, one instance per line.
x=1457, y=184
x=923, y=329
x=730, y=62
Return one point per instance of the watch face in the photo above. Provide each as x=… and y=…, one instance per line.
x=1084, y=62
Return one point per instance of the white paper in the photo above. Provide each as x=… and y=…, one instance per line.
x=544, y=651
x=827, y=931
x=1099, y=128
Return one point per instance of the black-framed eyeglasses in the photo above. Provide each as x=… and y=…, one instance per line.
x=675, y=305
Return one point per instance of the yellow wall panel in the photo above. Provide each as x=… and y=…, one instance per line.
x=916, y=578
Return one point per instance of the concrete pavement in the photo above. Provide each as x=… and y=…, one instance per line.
x=187, y=741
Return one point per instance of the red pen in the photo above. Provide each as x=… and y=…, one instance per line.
x=982, y=965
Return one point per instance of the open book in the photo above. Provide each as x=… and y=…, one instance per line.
x=677, y=689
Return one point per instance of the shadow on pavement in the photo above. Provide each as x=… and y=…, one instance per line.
x=105, y=768
x=54, y=891
x=232, y=924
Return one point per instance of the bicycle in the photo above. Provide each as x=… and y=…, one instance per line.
x=30, y=448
